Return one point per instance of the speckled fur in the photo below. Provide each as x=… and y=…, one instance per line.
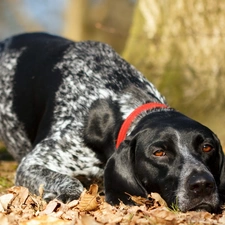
x=56, y=161
x=18, y=144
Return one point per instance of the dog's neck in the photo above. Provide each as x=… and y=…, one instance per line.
x=129, y=120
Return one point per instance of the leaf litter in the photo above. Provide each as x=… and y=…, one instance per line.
x=19, y=207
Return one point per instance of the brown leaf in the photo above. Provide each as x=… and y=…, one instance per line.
x=87, y=220
x=73, y=203
x=89, y=200
x=141, y=201
x=108, y=214
x=21, y=194
x=45, y=220
x=88, y=203
x=29, y=211
x=222, y=219
x=199, y=217
x=5, y=200
x=159, y=199
x=51, y=207
x=41, y=190
x=93, y=190
x=1, y=208
x=3, y=219
x=163, y=213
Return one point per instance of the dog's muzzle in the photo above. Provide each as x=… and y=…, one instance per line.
x=201, y=192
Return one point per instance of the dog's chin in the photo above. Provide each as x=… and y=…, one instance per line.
x=203, y=207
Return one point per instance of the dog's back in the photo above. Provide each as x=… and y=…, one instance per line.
x=27, y=85
x=48, y=86
x=35, y=67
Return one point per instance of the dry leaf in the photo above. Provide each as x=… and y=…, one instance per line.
x=93, y=190
x=1, y=208
x=52, y=205
x=41, y=190
x=159, y=199
x=21, y=193
x=89, y=200
x=222, y=219
x=3, y=219
x=46, y=220
x=141, y=201
x=73, y=204
x=88, y=220
x=108, y=214
x=163, y=213
x=32, y=210
x=5, y=200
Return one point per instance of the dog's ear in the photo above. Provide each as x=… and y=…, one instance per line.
x=119, y=175
x=100, y=125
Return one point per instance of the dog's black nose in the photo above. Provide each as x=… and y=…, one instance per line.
x=201, y=184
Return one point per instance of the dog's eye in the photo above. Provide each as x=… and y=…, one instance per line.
x=207, y=148
x=159, y=152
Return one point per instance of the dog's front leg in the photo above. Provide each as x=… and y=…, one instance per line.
x=55, y=185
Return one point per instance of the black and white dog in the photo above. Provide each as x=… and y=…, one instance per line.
x=73, y=112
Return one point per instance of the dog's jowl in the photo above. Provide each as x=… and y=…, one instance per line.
x=74, y=112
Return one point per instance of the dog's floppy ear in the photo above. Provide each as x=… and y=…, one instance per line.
x=99, y=127
x=119, y=175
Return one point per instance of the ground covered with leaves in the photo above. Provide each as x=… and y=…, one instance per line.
x=18, y=206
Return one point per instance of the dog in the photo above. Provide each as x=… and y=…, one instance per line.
x=75, y=112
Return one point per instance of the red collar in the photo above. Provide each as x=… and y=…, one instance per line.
x=126, y=124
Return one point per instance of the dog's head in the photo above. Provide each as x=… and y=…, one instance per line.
x=173, y=155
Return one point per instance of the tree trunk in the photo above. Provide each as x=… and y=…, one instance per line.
x=107, y=21
x=180, y=46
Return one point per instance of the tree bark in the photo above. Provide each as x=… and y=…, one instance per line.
x=180, y=46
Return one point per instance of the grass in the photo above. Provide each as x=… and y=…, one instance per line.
x=174, y=207
x=7, y=169
x=4, y=155
x=5, y=183
x=2, y=147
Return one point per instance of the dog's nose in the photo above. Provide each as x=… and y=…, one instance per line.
x=201, y=184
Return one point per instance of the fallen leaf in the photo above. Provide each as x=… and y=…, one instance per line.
x=159, y=199
x=45, y=220
x=222, y=219
x=87, y=220
x=73, y=203
x=3, y=219
x=5, y=200
x=35, y=211
x=141, y=201
x=163, y=213
x=52, y=205
x=1, y=208
x=41, y=190
x=71, y=214
x=89, y=200
x=93, y=190
x=21, y=193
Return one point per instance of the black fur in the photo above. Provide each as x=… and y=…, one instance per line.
x=62, y=104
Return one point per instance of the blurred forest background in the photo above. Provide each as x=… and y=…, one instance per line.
x=179, y=45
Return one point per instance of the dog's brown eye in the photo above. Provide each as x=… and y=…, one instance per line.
x=207, y=148
x=159, y=153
